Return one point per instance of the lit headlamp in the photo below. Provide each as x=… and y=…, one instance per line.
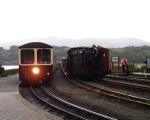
x=36, y=70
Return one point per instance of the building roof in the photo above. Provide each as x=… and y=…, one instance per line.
x=36, y=45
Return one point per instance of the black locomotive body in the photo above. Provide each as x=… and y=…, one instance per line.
x=88, y=62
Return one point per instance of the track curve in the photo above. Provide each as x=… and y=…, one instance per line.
x=68, y=109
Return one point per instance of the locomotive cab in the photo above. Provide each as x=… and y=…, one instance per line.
x=35, y=63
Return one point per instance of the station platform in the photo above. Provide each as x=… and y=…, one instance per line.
x=136, y=74
x=14, y=107
x=141, y=74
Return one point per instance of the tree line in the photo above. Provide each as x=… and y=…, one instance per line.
x=133, y=54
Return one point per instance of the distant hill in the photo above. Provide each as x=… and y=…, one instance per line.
x=109, y=43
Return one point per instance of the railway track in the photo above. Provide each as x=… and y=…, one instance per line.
x=126, y=84
x=117, y=95
x=130, y=79
x=69, y=110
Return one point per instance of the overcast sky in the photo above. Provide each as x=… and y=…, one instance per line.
x=74, y=19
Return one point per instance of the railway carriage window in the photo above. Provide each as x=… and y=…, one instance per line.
x=27, y=56
x=43, y=56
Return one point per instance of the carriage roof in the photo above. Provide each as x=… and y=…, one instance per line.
x=35, y=45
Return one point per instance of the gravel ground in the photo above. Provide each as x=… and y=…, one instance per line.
x=97, y=102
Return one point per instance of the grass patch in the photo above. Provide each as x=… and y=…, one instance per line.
x=148, y=101
x=9, y=72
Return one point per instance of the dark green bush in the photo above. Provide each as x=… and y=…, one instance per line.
x=1, y=70
x=9, y=72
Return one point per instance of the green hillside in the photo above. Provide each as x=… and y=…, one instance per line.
x=134, y=54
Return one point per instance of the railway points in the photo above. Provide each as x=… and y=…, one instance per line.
x=101, y=101
x=107, y=91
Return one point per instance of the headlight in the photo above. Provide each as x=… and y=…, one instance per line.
x=35, y=70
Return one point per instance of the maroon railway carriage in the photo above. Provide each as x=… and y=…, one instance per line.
x=36, y=63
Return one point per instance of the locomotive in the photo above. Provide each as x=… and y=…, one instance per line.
x=36, y=63
x=88, y=62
